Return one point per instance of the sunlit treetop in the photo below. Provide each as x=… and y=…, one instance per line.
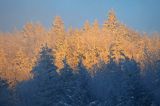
x=86, y=26
x=58, y=23
x=112, y=21
x=112, y=17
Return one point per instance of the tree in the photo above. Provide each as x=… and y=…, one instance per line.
x=45, y=79
x=157, y=83
x=116, y=52
x=112, y=20
x=83, y=83
x=3, y=63
x=60, y=43
x=67, y=85
x=108, y=84
x=4, y=93
x=137, y=94
x=86, y=26
x=45, y=62
x=22, y=66
x=95, y=27
x=58, y=30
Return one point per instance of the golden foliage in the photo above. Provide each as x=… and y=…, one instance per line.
x=91, y=43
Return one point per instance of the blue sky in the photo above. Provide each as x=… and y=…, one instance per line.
x=142, y=15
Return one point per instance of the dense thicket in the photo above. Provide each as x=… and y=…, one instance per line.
x=111, y=65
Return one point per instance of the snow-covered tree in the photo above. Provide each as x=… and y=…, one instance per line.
x=5, y=97
x=45, y=76
x=108, y=84
x=86, y=26
x=137, y=94
x=60, y=43
x=83, y=80
x=112, y=21
x=151, y=82
x=67, y=87
x=22, y=66
x=44, y=80
x=3, y=63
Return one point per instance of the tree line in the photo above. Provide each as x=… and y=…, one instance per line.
x=108, y=65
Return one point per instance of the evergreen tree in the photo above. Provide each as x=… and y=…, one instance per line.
x=67, y=85
x=3, y=63
x=45, y=79
x=112, y=22
x=22, y=66
x=156, y=90
x=86, y=27
x=60, y=43
x=83, y=80
x=5, y=97
x=58, y=30
x=136, y=93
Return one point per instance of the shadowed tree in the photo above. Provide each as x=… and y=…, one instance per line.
x=39, y=90
x=5, y=97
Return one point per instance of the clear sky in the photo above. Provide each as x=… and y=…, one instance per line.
x=142, y=15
